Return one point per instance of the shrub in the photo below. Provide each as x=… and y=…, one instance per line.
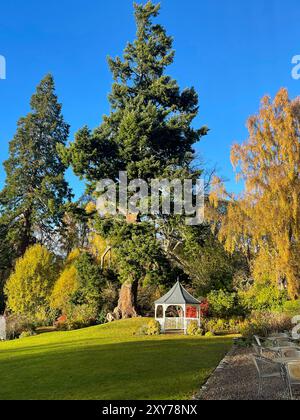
x=83, y=292
x=263, y=296
x=291, y=308
x=265, y=323
x=204, y=308
x=222, y=304
x=26, y=334
x=235, y=325
x=154, y=328
x=217, y=326
x=16, y=325
x=209, y=334
x=81, y=316
x=101, y=319
x=193, y=329
x=141, y=331
x=223, y=326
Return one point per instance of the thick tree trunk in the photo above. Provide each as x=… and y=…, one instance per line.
x=127, y=301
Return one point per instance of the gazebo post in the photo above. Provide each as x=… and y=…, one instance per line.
x=164, y=310
x=184, y=319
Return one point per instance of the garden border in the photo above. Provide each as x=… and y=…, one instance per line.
x=222, y=365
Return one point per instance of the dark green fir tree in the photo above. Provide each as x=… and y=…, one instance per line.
x=148, y=133
x=35, y=192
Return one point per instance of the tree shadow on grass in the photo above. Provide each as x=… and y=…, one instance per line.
x=150, y=369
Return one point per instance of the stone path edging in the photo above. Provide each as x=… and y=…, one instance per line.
x=221, y=366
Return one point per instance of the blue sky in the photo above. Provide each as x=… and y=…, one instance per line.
x=232, y=51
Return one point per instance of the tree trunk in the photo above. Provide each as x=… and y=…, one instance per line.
x=127, y=301
x=25, y=239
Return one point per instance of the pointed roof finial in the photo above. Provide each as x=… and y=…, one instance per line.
x=178, y=295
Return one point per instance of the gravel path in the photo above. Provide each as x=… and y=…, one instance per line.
x=236, y=379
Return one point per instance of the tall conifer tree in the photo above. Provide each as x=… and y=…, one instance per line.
x=35, y=191
x=149, y=132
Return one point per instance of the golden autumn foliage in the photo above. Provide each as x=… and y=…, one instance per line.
x=66, y=285
x=90, y=208
x=100, y=249
x=265, y=220
x=29, y=286
x=73, y=256
x=97, y=245
x=264, y=267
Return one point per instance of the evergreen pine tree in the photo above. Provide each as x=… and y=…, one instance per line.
x=35, y=191
x=149, y=132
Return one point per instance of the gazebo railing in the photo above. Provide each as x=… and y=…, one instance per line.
x=179, y=323
x=174, y=323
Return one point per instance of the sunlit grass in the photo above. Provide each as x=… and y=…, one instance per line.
x=107, y=362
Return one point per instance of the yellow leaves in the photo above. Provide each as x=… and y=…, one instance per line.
x=235, y=155
x=73, y=256
x=267, y=216
x=29, y=286
x=97, y=245
x=264, y=268
x=281, y=99
x=65, y=286
x=217, y=191
x=265, y=102
x=90, y=208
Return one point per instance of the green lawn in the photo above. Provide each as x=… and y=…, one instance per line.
x=107, y=362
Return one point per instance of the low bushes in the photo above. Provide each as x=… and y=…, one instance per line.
x=204, y=307
x=263, y=296
x=258, y=323
x=263, y=309
x=193, y=329
x=291, y=308
x=265, y=323
x=223, y=326
x=26, y=334
x=81, y=316
x=17, y=326
x=209, y=334
x=152, y=328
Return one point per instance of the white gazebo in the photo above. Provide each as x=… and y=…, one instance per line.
x=177, y=309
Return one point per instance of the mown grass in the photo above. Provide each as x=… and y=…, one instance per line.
x=107, y=362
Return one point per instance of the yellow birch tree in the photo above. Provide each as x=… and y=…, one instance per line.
x=264, y=221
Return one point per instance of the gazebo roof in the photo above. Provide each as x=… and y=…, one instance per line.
x=177, y=296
